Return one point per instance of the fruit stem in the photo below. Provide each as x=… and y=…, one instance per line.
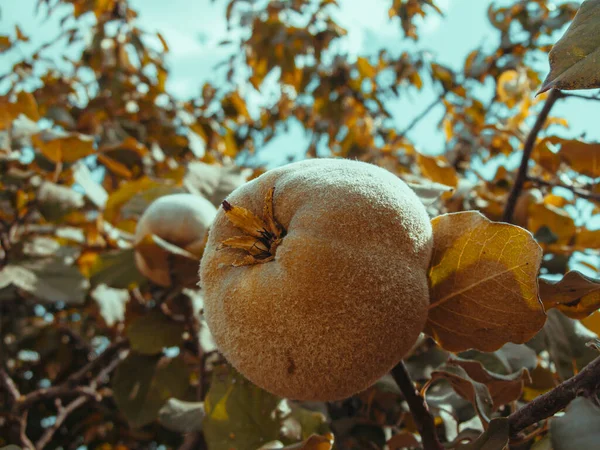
x=422, y=417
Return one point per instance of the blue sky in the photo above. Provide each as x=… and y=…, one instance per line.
x=194, y=28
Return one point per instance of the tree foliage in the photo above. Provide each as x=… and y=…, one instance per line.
x=96, y=355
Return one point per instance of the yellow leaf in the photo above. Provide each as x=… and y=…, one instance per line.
x=27, y=105
x=239, y=104
x=437, y=169
x=575, y=295
x=163, y=42
x=592, y=322
x=483, y=283
x=557, y=220
x=115, y=167
x=365, y=68
x=5, y=43
x=581, y=156
x=161, y=79
x=231, y=148
x=545, y=157
x=588, y=239
x=67, y=149
x=124, y=193
x=20, y=35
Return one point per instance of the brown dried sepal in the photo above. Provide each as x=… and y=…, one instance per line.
x=261, y=236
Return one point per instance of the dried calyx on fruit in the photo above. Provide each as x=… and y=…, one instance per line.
x=261, y=236
x=327, y=291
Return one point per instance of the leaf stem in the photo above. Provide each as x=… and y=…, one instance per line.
x=421, y=415
x=585, y=382
x=527, y=150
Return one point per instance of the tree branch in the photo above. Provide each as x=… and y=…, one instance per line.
x=527, y=149
x=20, y=430
x=546, y=405
x=582, y=97
x=577, y=191
x=7, y=382
x=90, y=392
x=69, y=387
x=63, y=413
x=97, y=362
x=421, y=415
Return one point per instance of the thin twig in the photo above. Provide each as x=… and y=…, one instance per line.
x=9, y=385
x=587, y=381
x=582, y=97
x=97, y=362
x=577, y=191
x=420, y=117
x=421, y=415
x=90, y=392
x=69, y=387
x=62, y=415
x=13, y=397
x=527, y=149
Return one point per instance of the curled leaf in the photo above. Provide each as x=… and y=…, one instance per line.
x=503, y=388
x=475, y=392
x=575, y=295
x=578, y=428
x=483, y=283
x=495, y=437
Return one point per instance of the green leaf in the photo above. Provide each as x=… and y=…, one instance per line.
x=566, y=340
x=576, y=295
x=182, y=417
x=213, y=182
x=55, y=201
x=116, y=269
x=239, y=415
x=47, y=279
x=142, y=384
x=575, y=58
x=495, y=437
x=509, y=359
x=151, y=333
x=502, y=388
x=302, y=423
x=578, y=428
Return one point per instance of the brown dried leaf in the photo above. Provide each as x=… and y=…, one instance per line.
x=248, y=243
x=269, y=214
x=575, y=295
x=244, y=220
x=503, y=388
x=475, y=392
x=126, y=191
x=574, y=59
x=438, y=170
x=483, y=283
x=496, y=437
